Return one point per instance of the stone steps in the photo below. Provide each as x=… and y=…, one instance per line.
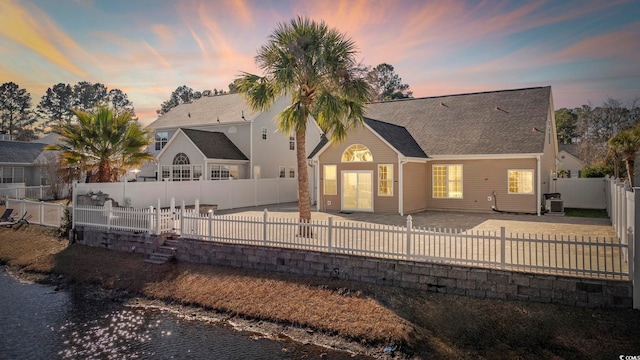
x=164, y=253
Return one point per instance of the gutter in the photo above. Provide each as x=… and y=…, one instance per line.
x=401, y=185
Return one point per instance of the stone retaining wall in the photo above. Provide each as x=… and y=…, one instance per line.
x=475, y=282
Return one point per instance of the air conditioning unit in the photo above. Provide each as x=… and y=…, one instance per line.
x=554, y=206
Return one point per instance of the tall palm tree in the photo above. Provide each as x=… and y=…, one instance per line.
x=103, y=143
x=315, y=66
x=627, y=143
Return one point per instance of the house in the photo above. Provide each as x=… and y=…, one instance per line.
x=569, y=160
x=220, y=137
x=20, y=163
x=477, y=151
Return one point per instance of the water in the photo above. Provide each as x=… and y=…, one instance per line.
x=37, y=322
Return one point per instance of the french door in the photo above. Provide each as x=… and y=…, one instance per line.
x=357, y=190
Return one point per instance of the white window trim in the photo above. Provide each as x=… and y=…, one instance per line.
x=324, y=179
x=292, y=170
x=533, y=182
x=282, y=172
x=433, y=181
x=390, y=179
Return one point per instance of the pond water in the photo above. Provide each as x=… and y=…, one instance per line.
x=37, y=322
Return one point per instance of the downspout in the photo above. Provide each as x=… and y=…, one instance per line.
x=316, y=180
x=251, y=139
x=401, y=186
x=538, y=175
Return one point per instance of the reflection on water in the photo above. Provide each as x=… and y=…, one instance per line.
x=39, y=323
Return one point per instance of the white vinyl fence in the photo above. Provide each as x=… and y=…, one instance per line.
x=20, y=191
x=42, y=213
x=107, y=217
x=581, y=193
x=623, y=203
x=587, y=257
x=226, y=194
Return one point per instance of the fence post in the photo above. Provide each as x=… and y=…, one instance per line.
x=330, y=235
x=41, y=196
x=173, y=205
x=210, y=225
x=158, y=218
x=74, y=203
x=151, y=218
x=503, y=247
x=634, y=252
x=109, y=208
x=409, y=230
x=41, y=212
x=265, y=216
x=60, y=214
x=196, y=206
x=182, y=218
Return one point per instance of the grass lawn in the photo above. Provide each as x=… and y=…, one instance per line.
x=424, y=325
x=590, y=213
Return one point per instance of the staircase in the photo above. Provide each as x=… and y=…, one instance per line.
x=164, y=253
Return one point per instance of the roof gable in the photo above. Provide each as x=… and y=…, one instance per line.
x=496, y=122
x=20, y=152
x=214, y=145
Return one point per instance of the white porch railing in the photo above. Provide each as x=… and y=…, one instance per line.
x=42, y=213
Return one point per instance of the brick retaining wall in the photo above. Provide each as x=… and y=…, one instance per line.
x=475, y=282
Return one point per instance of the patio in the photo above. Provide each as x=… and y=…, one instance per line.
x=547, y=225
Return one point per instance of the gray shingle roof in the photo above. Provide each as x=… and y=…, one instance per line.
x=570, y=148
x=206, y=110
x=214, y=145
x=496, y=122
x=19, y=152
x=323, y=141
x=398, y=137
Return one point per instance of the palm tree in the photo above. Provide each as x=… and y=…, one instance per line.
x=315, y=66
x=627, y=143
x=103, y=143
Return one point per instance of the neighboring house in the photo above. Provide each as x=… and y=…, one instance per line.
x=568, y=160
x=221, y=137
x=20, y=163
x=474, y=151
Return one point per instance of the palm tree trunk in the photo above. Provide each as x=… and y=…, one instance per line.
x=304, y=201
x=630, y=170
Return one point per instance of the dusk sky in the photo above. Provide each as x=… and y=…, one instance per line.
x=586, y=50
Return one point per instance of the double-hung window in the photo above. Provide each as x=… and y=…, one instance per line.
x=447, y=181
x=385, y=180
x=330, y=180
x=162, y=138
x=521, y=181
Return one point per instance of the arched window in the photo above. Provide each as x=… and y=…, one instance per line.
x=181, y=159
x=357, y=153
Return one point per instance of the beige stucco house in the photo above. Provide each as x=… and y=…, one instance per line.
x=478, y=151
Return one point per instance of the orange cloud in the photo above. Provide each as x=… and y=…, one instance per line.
x=621, y=44
x=36, y=31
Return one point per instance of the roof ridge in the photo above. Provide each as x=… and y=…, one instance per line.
x=463, y=94
x=384, y=122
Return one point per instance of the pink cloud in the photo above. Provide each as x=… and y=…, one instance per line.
x=33, y=29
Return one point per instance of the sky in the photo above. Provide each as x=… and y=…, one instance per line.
x=587, y=51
